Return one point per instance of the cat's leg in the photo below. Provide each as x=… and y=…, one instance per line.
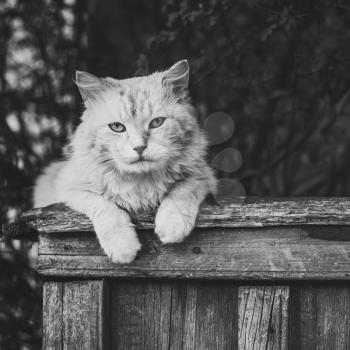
x=115, y=232
x=177, y=213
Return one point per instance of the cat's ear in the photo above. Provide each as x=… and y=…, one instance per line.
x=89, y=85
x=177, y=76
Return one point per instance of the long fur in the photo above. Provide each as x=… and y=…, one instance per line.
x=102, y=179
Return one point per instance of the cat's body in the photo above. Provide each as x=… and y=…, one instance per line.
x=138, y=148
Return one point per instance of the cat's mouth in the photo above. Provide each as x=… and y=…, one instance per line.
x=142, y=159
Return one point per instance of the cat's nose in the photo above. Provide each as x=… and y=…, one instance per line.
x=139, y=149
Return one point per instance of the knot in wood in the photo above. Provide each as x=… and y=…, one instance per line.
x=272, y=330
x=196, y=250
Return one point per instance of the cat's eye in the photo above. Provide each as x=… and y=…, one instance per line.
x=117, y=127
x=156, y=122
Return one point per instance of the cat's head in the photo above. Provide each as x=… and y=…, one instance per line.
x=139, y=124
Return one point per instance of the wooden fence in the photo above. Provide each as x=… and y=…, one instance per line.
x=262, y=274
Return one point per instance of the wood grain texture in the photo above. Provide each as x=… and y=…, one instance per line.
x=52, y=315
x=204, y=316
x=303, y=318
x=271, y=253
x=178, y=316
x=247, y=212
x=263, y=318
x=84, y=315
x=140, y=315
x=320, y=317
x=184, y=316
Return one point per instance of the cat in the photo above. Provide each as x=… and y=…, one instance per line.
x=138, y=148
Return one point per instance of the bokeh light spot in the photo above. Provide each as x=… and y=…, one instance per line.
x=219, y=127
x=230, y=189
x=228, y=160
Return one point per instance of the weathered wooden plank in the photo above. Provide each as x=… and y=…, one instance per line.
x=164, y=315
x=303, y=318
x=248, y=212
x=85, y=315
x=333, y=318
x=284, y=253
x=183, y=316
x=263, y=318
x=320, y=317
x=72, y=243
x=204, y=316
x=52, y=315
x=140, y=315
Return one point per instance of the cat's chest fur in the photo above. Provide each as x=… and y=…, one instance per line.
x=137, y=194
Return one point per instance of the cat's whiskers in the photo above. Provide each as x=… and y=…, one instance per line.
x=109, y=159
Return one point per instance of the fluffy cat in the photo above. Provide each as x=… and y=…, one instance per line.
x=138, y=148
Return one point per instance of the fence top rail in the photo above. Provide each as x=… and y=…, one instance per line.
x=245, y=212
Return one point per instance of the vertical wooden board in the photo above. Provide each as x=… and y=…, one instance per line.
x=263, y=318
x=84, y=315
x=183, y=315
x=140, y=315
x=216, y=325
x=52, y=315
x=303, y=318
x=157, y=308
x=320, y=318
x=333, y=314
x=204, y=316
x=127, y=318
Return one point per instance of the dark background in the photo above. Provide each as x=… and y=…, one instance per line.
x=279, y=69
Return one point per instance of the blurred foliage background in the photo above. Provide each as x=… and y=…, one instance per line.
x=279, y=69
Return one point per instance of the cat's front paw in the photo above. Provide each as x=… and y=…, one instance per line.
x=121, y=244
x=174, y=221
